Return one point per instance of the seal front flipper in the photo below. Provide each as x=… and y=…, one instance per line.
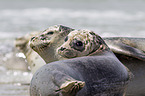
x=123, y=49
x=70, y=88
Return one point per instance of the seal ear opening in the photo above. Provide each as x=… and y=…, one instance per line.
x=70, y=88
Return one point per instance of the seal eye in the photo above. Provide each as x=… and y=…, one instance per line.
x=50, y=33
x=66, y=38
x=77, y=45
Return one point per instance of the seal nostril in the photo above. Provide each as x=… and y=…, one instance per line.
x=62, y=48
x=43, y=38
x=32, y=38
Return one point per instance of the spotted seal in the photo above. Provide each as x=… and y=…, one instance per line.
x=101, y=74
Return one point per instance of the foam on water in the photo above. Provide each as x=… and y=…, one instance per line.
x=22, y=21
x=14, y=76
x=14, y=82
x=14, y=90
x=17, y=16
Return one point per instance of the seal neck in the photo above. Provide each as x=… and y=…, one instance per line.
x=101, y=50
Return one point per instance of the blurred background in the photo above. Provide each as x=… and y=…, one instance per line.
x=108, y=18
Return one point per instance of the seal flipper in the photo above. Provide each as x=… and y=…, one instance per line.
x=120, y=48
x=70, y=88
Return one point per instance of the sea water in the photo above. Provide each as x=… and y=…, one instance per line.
x=108, y=18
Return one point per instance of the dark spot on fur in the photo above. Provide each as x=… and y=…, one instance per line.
x=32, y=38
x=50, y=33
x=33, y=65
x=43, y=37
x=62, y=48
x=66, y=38
x=44, y=46
x=92, y=33
x=32, y=47
x=101, y=48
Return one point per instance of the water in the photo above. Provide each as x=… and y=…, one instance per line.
x=107, y=18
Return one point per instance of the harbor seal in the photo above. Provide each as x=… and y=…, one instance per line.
x=34, y=61
x=79, y=43
x=46, y=43
x=76, y=45
x=101, y=74
x=123, y=47
x=131, y=47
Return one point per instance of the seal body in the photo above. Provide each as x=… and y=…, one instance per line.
x=103, y=75
x=131, y=52
x=131, y=47
x=137, y=85
x=130, y=41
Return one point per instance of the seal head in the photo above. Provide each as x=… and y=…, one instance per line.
x=48, y=41
x=22, y=43
x=34, y=61
x=81, y=43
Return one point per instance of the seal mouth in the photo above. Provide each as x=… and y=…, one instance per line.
x=67, y=53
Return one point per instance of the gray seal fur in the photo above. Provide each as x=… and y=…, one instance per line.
x=131, y=52
x=130, y=47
